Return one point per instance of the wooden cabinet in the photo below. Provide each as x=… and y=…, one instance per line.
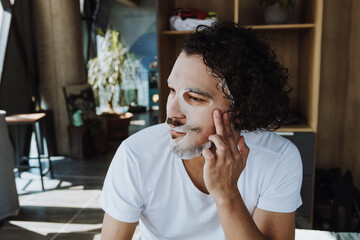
x=305, y=141
x=297, y=45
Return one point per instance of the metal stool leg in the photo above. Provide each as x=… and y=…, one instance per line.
x=17, y=149
x=39, y=155
x=41, y=131
x=51, y=169
x=38, y=135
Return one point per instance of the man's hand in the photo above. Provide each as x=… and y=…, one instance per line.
x=225, y=163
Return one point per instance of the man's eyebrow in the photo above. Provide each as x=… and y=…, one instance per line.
x=198, y=91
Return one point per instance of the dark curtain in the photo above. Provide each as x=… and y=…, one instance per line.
x=96, y=14
x=18, y=90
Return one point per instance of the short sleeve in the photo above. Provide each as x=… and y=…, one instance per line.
x=282, y=193
x=121, y=193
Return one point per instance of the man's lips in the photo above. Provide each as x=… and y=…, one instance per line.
x=176, y=132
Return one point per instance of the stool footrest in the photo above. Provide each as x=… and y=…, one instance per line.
x=41, y=157
x=21, y=168
x=45, y=171
x=26, y=168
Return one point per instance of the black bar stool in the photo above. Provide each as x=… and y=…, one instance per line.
x=34, y=120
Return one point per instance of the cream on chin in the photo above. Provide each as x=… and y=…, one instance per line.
x=186, y=148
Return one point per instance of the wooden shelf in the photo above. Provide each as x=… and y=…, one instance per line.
x=282, y=27
x=176, y=33
x=130, y=3
x=298, y=127
x=285, y=27
x=296, y=44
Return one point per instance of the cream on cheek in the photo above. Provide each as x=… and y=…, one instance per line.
x=194, y=115
x=194, y=123
x=197, y=127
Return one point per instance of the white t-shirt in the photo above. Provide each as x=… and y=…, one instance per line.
x=147, y=182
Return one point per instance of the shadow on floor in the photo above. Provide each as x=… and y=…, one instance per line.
x=68, y=208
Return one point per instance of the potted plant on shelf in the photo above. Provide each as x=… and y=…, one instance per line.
x=277, y=11
x=106, y=74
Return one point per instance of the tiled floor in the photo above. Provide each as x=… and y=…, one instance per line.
x=68, y=209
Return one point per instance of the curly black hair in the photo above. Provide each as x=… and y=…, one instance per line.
x=255, y=82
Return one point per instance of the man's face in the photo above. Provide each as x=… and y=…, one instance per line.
x=193, y=97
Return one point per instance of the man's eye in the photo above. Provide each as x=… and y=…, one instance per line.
x=171, y=90
x=196, y=99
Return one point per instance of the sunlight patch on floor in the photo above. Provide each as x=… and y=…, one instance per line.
x=75, y=197
x=313, y=235
x=42, y=228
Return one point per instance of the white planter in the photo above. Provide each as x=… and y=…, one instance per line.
x=275, y=15
x=9, y=202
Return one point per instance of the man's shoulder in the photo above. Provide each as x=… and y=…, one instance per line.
x=267, y=141
x=270, y=152
x=145, y=149
x=156, y=129
x=153, y=137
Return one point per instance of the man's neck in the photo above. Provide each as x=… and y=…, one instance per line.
x=194, y=167
x=196, y=162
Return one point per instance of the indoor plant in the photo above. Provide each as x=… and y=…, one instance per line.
x=106, y=74
x=276, y=11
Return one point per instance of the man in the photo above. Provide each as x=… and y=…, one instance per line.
x=212, y=171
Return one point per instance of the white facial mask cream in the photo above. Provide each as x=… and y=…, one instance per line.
x=186, y=147
x=185, y=107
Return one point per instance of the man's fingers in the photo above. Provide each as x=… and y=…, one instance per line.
x=218, y=121
x=209, y=157
x=220, y=146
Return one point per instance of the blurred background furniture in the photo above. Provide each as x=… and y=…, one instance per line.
x=32, y=119
x=9, y=203
x=87, y=136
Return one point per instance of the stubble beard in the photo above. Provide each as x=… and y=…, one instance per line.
x=187, y=153
x=186, y=147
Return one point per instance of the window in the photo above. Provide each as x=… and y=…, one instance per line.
x=5, y=19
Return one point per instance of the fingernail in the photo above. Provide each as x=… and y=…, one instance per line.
x=226, y=116
x=217, y=113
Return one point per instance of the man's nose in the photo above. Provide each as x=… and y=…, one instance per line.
x=173, y=108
